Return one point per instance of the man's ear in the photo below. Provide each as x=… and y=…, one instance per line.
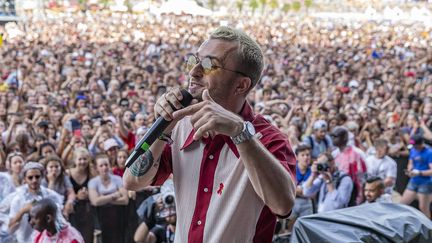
x=243, y=86
x=49, y=218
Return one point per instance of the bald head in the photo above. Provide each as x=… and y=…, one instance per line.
x=43, y=215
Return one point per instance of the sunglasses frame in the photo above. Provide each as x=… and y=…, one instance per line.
x=207, y=64
x=33, y=176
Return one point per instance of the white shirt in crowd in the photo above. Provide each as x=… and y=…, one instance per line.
x=383, y=168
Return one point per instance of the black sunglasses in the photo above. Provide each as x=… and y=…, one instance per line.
x=207, y=64
x=37, y=177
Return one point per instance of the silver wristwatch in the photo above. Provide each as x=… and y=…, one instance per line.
x=247, y=133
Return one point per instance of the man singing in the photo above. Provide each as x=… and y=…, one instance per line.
x=233, y=171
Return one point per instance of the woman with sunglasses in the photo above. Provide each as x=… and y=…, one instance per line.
x=57, y=180
x=107, y=194
x=80, y=174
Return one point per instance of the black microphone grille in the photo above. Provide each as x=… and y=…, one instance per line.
x=187, y=98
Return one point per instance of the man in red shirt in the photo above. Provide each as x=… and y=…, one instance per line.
x=350, y=162
x=43, y=218
x=232, y=170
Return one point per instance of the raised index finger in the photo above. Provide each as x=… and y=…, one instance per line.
x=190, y=110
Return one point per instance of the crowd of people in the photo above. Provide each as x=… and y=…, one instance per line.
x=77, y=92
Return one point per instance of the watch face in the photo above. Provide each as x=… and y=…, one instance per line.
x=250, y=128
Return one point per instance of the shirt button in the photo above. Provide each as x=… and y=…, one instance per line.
x=211, y=157
x=199, y=222
x=206, y=189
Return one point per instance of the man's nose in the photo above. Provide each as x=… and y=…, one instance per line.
x=197, y=71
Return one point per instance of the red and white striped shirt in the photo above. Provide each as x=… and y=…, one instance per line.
x=214, y=197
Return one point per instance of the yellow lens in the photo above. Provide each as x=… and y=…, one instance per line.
x=191, y=62
x=206, y=64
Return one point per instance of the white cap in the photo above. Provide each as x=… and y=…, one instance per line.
x=320, y=124
x=109, y=143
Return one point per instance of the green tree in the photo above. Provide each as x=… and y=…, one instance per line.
x=253, y=4
x=263, y=4
x=308, y=4
x=105, y=3
x=296, y=5
x=211, y=4
x=240, y=5
x=286, y=7
x=273, y=4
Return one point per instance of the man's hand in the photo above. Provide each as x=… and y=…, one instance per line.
x=209, y=118
x=413, y=173
x=167, y=103
x=314, y=169
x=327, y=176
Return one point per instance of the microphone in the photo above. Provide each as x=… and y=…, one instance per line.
x=154, y=132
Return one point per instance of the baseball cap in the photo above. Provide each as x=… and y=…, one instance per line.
x=320, y=124
x=110, y=143
x=416, y=139
x=353, y=84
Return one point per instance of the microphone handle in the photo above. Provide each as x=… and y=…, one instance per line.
x=147, y=140
x=154, y=132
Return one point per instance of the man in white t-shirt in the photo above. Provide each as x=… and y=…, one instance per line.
x=25, y=196
x=382, y=166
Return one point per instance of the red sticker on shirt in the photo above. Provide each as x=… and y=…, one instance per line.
x=221, y=186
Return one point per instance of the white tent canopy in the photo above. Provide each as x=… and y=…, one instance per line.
x=184, y=7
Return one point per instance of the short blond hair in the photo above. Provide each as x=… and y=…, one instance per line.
x=250, y=56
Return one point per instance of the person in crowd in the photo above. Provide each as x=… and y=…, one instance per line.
x=303, y=205
x=157, y=216
x=111, y=148
x=80, y=175
x=22, y=201
x=120, y=162
x=349, y=161
x=15, y=163
x=39, y=140
x=381, y=165
x=44, y=219
x=47, y=149
x=107, y=194
x=7, y=190
x=420, y=170
x=374, y=190
x=319, y=141
x=221, y=80
x=335, y=187
x=7, y=187
x=56, y=179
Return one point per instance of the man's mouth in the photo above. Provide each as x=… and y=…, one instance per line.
x=196, y=89
x=195, y=85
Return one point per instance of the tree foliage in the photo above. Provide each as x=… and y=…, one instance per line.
x=296, y=5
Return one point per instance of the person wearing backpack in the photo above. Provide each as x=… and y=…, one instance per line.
x=319, y=141
x=334, y=187
x=350, y=161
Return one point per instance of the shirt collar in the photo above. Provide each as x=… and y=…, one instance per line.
x=246, y=113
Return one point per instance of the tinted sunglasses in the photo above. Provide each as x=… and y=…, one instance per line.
x=207, y=64
x=37, y=177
